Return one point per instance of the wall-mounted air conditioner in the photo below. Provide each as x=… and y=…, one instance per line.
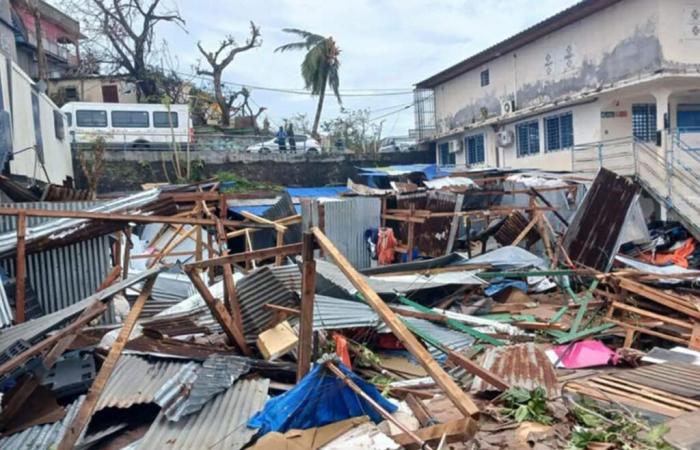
x=505, y=138
x=455, y=146
x=507, y=107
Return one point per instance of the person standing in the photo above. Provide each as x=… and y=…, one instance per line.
x=290, y=137
x=282, y=140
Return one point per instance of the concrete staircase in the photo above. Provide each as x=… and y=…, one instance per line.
x=670, y=175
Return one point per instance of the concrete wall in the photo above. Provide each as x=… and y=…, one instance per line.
x=614, y=44
x=127, y=171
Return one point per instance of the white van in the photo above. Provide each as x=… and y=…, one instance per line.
x=127, y=126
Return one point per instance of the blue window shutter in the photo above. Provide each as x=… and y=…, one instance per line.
x=566, y=124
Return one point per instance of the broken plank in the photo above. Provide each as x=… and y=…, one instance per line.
x=461, y=400
x=475, y=369
x=286, y=250
x=230, y=326
x=459, y=430
x=80, y=421
x=306, y=319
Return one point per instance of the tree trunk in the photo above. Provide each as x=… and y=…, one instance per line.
x=221, y=101
x=42, y=69
x=319, y=108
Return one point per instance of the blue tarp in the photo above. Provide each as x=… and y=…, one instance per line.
x=500, y=284
x=306, y=192
x=318, y=399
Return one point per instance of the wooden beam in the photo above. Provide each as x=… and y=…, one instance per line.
x=661, y=297
x=457, y=430
x=134, y=218
x=81, y=420
x=92, y=311
x=525, y=231
x=419, y=410
x=257, y=219
x=220, y=313
x=265, y=253
x=21, y=267
x=475, y=369
x=452, y=391
x=127, y=253
x=308, y=291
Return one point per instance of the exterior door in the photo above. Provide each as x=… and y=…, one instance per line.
x=110, y=93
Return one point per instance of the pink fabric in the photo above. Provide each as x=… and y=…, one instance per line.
x=585, y=354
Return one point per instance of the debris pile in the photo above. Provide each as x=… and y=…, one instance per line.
x=480, y=310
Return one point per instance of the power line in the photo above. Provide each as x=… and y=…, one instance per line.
x=398, y=111
x=344, y=93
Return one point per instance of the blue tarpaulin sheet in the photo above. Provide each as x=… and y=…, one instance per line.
x=318, y=399
x=497, y=286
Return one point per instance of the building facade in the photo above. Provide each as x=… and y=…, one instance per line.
x=95, y=88
x=602, y=71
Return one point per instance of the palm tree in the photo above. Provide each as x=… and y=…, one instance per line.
x=320, y=66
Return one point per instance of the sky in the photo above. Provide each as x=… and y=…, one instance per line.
x=386, y=45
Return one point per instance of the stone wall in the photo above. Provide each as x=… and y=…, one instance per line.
x=128, y=170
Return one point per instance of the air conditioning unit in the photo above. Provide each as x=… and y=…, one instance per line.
x=507, y=107
x=455, y=146
x=505, y=138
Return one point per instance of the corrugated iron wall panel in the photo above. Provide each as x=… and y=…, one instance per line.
x=345, y=225
x=62, y=276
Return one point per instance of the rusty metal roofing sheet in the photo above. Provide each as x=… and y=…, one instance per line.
x=135, y=380
x=220, y=425
x=254, y=291
x=42, y=437
x=521, y=365
x=677, y=378
x=594, y=234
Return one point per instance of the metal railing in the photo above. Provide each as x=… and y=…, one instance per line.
x=670, y=173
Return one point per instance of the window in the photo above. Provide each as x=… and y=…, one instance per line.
x=160, y=120
x=91, y=118
x=446, y=158
x=58, y=125
x=644, y=122
x=559, y=132
x=71, y=93
x=130, y=119
x=485, y=79
x=69, y=119
x=528, y=138
x=475, y=149
x=688, y=118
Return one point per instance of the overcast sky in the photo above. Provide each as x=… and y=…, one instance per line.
x=385, y=44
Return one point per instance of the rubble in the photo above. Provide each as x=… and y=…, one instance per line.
x=527, y=310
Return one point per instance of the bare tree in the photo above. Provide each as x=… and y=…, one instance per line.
x=221, y=58
x=124, y=31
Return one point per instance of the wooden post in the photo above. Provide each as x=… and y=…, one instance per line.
x=86, y=409
x=411, y=241
x=212, y=270
x=117, y=251
x=460, y=399
x=308, y=291
x=279, y=243
x=199, y=245
x=231, y=327
x=21, y=268
x=127, y=253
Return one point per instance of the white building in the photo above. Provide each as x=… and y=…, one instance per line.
x=601, y=73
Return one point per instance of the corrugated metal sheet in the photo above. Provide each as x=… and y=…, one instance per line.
x=42, y=437
x=594, y=234
x=332, y=281
x=452, y=339
x=345, y=222
x=521, y=365
x=677, y=378
x=335, y=314
x=135, y=380
x=220, y=425
x=197, y=320
x=189, y=391
x=61, y=276
x=62, y=227
x=254, y=291
x=34, y=330
x=289, y=275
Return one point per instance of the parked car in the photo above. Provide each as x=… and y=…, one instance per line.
x=303, y=144
x=130, y=126
x=396, y=144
